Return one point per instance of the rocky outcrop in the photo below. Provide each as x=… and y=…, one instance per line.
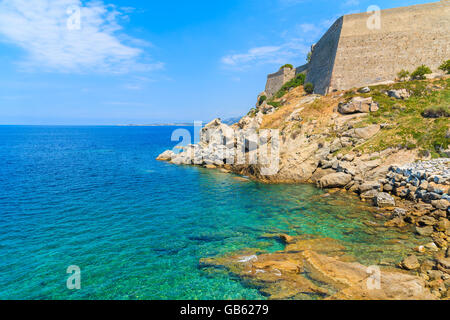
x=358, y=105
x=217, y=146
x=428, y=181
x=335, y=180
x=323, y=146
x=400, y=94
x=383, y=199
x=411, y=263
x=166, y=156
x=305, y=270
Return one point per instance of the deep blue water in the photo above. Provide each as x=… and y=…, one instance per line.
x=96, y=197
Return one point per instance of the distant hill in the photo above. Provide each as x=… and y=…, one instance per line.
x=231, y=121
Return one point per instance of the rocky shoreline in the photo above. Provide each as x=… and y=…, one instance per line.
x=319, y=268
x=324, y=144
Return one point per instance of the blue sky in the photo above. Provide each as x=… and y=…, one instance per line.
x=151, y=61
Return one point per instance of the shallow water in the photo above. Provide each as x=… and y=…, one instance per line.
x=96, y=198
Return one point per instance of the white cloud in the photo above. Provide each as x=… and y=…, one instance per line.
x=291, y=51
x=40, y=28
x=349, y=3
x=296, y=44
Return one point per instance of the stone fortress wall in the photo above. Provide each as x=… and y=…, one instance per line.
x=323, y=58
x=276, y=80
x=352, y=55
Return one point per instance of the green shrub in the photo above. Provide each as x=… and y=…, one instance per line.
x=436, y=112
x=309, y=87
x=252, y=112
x=308, y=57
x=274, y=104
x=288, y=65
x=403, y=74
x=420, y=72
x=294, y=83
x=445, y=67
x=261, y=100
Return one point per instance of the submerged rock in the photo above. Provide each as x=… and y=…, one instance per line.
x=424, y=231
x=306, y=273
x=411, y=263
x=383, y=200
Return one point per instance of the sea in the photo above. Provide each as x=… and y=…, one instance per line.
x=94, y=199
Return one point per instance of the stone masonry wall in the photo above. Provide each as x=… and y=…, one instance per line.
x=409, y=36
x=322, y=59
x=276, y=80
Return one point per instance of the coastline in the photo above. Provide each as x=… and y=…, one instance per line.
x=405, y=188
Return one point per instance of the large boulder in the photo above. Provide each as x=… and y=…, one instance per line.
x=217, y=133
x=335, y=180
x=366, y=186
x=358, y=105
x=424, y=231
x=369, y=195
x=383, y=200
x=411, y=263
x=166, y=156
x=401, y=94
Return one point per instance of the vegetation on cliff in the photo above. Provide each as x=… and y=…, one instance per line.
x=287, y=65
x=420, y=73
x=404, y=119
x=419, y=122
x=309, y=87
x=299, y=80
x=445, y=66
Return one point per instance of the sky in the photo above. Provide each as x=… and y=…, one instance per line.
x=72, y=62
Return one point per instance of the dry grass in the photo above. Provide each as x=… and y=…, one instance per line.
x=320, y=110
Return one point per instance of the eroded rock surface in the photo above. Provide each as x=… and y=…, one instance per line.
x=319, y=269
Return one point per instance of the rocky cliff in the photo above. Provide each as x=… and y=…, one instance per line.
x=366, y=141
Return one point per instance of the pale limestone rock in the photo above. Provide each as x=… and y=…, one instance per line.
x=401, y=94
x=367, y=132
x=383, y=200
x=166, y=156
x=411, y=263
x=357, y=105
x=335, y=180
x=295, y=116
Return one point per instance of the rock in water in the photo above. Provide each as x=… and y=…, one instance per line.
x=411, y=263
x=166, y=156
x=425, y=231
x=383, y=200
x=335, y=180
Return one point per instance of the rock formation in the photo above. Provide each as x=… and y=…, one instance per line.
x=313, y=269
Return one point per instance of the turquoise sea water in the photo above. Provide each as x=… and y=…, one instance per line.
x=96, y=197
